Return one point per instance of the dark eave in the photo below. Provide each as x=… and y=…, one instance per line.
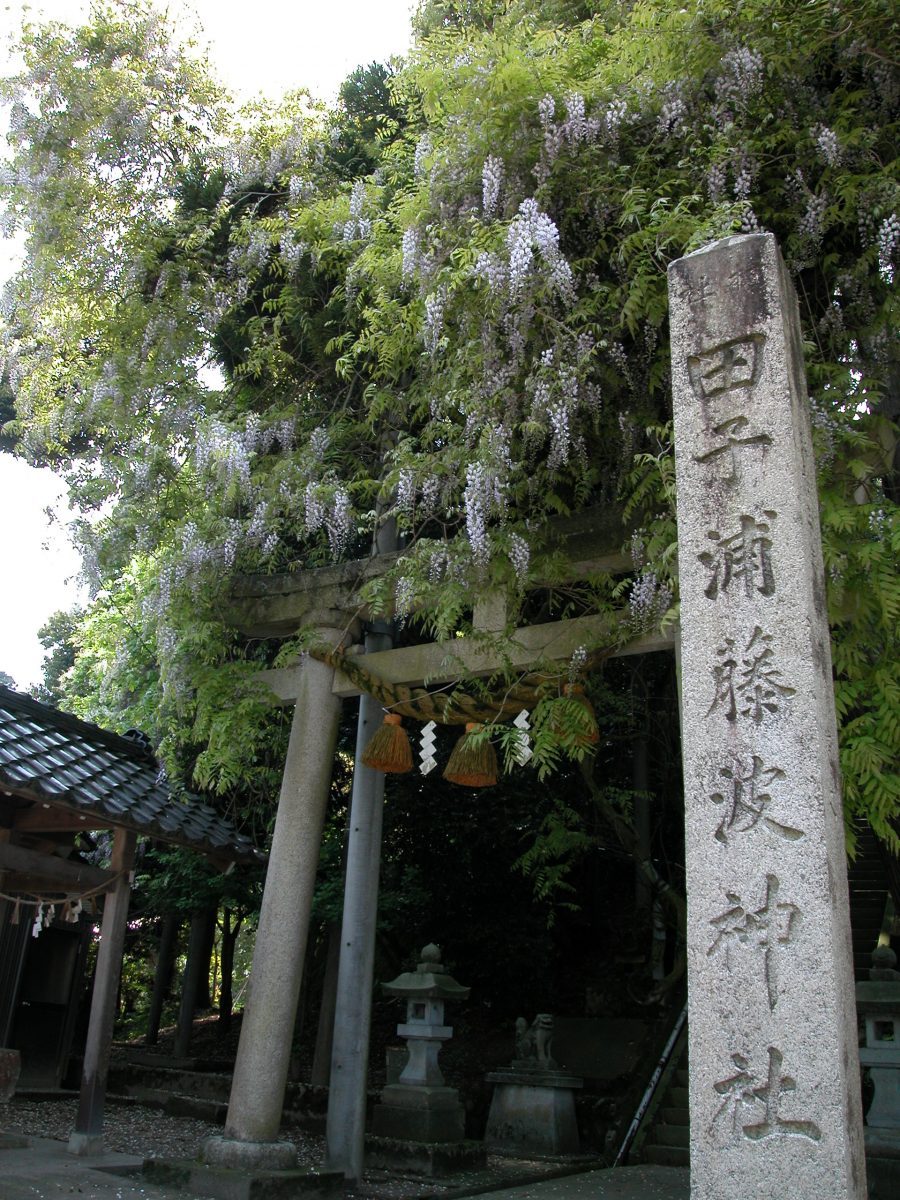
x=55, y=759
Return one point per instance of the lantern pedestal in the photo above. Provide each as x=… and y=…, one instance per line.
x=420, y=1123
x=420, y=1115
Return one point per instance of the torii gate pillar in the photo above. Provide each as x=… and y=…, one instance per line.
x=261, y=1069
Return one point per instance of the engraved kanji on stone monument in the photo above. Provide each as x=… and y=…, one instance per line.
x=722, y=377
x=743, y=558
x=753, y=1103
x=774, y=1076
x=747, y=682
x=763, y=930
x=747, y=800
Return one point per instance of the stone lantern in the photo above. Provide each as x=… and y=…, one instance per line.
x=420, y=1107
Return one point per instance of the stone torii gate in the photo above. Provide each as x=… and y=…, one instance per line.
x=327, y=600
x=773, y=1058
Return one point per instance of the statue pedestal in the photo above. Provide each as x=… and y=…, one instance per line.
x=533, y=1113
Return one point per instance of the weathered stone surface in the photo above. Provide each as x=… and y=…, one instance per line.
x=774, y=1065
x=234, y=1181
x=261, y=1068
x=345, y=1130
x=85, y=1145
x=12, y=1141
x=249, y=1156
x=419, y=1106
x=533, y=1113
x=438, y=1124
x=423, y=1158
x=878, y=1005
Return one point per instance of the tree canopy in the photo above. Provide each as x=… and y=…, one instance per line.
x=249, y=336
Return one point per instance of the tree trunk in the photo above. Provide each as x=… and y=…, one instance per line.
x=204, y=999
x=196, y=966
x=226, y=991
x=671, y=900
x=162, y=978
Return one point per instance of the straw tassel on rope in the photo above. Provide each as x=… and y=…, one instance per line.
x=473, y=762
x=389, y=749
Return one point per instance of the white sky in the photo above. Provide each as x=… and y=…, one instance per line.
x=258, y=47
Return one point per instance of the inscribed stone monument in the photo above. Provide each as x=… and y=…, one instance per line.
x=774, y=1068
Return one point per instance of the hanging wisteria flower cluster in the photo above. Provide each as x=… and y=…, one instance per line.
x=741, y=76
x=492, y=175
x=484, y=498
x=532, y=253
x=648, y=601
x=357, y=226
x=328, y=507
x=888, y=244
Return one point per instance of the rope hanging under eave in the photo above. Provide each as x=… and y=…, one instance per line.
x=455, y=707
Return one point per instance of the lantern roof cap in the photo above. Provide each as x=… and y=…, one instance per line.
x=429, y=981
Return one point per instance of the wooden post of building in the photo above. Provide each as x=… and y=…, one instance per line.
x=88, y=1135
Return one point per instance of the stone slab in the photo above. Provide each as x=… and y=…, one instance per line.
x=881, y=997
x=444, y=1125
x=541, y=1079
x=223, y=1183
x=86, y=1145
x=644, y=1182
x=435, y=1159
x=774, y=1078
x=419, y=1097
x=12, y=1141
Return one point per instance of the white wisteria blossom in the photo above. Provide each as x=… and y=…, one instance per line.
x=492, y=176
x=533, y=230
x=410, y=253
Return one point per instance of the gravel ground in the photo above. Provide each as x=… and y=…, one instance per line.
x=137, y=1129
x=131, y=1128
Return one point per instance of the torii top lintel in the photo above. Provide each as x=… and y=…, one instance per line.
x=329, y=598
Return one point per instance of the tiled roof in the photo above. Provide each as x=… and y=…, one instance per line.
x=56, y=758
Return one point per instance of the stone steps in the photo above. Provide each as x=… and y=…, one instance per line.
x=675, y=1116
x=666, y=1156
x=673, y=1135
x=667, y=1140
x=204, y=1094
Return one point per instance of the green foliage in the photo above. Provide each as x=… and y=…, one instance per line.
x=57, y=635
x=444, y=303
x=170, y=879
